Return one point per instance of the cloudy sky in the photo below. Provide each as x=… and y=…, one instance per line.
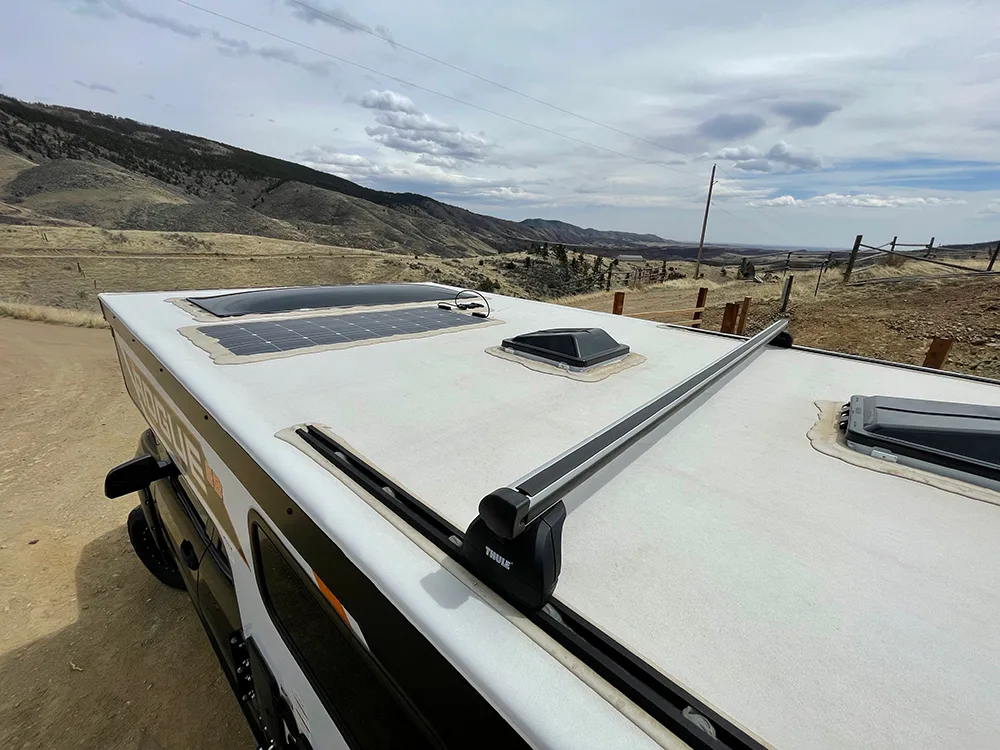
x=827, y=118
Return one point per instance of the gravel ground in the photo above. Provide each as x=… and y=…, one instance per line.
x=94, y=652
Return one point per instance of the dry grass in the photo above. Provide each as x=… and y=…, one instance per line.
x=914, y=267
x=890, y=321
x=59, y=282
x=11, y=165
x=58, y=315
x=69, y=266
x=681, y=293
x=46, y=240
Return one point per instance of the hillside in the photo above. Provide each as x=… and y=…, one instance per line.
x=560, y=231
x=176, y=171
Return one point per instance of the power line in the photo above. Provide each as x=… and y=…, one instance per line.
x=463, y=102
x=384, y=37
x=750, y=205
x=753, y=206
x=743, y=221
x=484, y=79
x=433, y=91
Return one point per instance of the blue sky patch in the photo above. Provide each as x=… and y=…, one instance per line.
x=925, y=173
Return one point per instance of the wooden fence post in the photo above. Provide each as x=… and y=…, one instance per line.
x=893, y=243
x=937, y=353
x=786, y=293
x=619, y=305
x=854, y=256
x=819, y=277
x=702, y=301
x=730, y=316
x=744, y=311
x=930, y=247
x=610, y=271
x=993, y=258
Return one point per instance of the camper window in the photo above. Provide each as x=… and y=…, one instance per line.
x=367, y=708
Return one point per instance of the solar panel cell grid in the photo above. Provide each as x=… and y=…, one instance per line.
x=266, y=337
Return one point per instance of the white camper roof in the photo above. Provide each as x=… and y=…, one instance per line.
x=811, y=601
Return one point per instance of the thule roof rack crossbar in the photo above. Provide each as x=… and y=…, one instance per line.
x=518, y=528
x=655, y=693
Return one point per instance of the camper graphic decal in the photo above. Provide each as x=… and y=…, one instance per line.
x=181, y=443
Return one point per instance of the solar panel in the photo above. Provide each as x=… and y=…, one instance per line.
x=268, y=337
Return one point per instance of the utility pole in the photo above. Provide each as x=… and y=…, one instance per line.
x=704, y=224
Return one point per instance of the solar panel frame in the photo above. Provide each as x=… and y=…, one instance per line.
x=314, y=331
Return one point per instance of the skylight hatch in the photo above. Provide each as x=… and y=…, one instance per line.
x=956, y=440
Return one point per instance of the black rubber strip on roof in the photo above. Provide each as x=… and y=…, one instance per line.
x=287, y=299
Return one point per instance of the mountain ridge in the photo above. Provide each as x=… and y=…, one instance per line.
x=229, y=185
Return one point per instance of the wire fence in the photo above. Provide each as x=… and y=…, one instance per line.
x=633, y=271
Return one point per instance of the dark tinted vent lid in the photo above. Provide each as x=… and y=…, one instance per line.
x=576, y=347
x=958, y=437
x=264, y=301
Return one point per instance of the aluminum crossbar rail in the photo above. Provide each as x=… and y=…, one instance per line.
x=543, y=486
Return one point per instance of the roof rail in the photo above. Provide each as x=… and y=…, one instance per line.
x=518, y=530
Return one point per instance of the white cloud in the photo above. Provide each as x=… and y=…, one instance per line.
x=782, y=153
x=781, y=200
x=742, y=153
x=860, y=200
x=388, y=101
x=350, y=166
x=901, y=116
x=993, y=207
x=781, y=157
x=403, y=127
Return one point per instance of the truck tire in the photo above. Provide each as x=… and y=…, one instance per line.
x=146, y=550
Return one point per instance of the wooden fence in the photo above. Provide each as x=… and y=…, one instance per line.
x=734, y=319
x=924, y=253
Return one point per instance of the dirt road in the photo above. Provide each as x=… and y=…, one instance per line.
x=94, y=652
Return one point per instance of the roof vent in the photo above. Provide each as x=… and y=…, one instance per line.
x=572, y=347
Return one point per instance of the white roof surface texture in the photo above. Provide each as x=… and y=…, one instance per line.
x=815, y=603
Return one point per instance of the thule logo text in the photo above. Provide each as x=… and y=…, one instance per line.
x=501, y=561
